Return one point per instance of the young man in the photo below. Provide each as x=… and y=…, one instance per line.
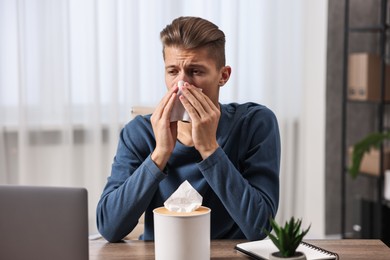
x=229, y=153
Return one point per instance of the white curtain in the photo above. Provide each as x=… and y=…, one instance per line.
x=71, y=70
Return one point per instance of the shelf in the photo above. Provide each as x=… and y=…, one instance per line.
x=365, y=102
x=363, y=174
x=381, y=30
x=368, y=29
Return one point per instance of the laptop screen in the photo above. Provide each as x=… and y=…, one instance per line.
x=43, y=222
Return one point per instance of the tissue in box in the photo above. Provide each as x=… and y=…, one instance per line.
x=184, y=199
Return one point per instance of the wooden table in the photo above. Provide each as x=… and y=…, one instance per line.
x=224, y=249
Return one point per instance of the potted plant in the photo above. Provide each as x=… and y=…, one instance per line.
x=287, y=239
x=372, y=140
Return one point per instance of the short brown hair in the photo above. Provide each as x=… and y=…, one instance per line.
x=193, y=33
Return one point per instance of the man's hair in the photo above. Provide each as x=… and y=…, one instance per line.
x=192, y=33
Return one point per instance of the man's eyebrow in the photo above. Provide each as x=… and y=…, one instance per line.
x=191, y=66
x=170, y=67
x=197, y=66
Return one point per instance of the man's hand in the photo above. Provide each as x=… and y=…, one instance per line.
x=165, y=131
x=204, y=118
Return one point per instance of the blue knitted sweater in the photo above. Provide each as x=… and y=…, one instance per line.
x=239, y=182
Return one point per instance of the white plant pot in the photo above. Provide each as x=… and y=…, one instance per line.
x=297, y=256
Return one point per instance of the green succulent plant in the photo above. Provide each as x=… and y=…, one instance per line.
x=287, y=238
x=372, y=140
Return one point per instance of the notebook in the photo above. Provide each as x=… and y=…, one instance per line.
x=43, y=223
x=261, y=249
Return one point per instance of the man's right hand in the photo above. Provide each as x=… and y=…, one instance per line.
x=165, y=131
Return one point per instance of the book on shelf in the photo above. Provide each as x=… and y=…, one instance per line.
x=261, y=249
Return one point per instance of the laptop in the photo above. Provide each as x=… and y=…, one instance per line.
x=43, y=223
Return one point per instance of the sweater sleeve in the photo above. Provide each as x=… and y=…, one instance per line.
x=131, y=186
x=249, y=187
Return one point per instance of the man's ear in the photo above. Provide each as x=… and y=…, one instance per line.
x=225, y=75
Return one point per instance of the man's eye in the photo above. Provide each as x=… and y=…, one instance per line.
x=172, y=72
x=196, y=72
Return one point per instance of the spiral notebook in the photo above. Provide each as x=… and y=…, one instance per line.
x=262, y=248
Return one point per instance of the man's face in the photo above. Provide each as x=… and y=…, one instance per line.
x=194, y=67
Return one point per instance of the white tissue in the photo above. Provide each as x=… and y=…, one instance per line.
x=184, y=199
x=178, y=111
